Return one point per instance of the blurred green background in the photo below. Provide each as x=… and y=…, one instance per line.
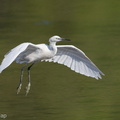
x=57, y=93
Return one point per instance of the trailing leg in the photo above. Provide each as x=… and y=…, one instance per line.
x=29, y=81
x=21, y=77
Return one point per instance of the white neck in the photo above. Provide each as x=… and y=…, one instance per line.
x=52, y=44
x=53, y=47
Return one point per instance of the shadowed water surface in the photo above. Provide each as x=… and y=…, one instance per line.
x=57, y=93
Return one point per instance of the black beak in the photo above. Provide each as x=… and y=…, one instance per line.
x=65, y=39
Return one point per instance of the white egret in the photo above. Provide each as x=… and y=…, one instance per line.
x=68, y=55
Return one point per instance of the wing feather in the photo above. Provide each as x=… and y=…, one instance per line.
x=77, y=67
x=73, y=65
x=12, y=55
x=76, y=60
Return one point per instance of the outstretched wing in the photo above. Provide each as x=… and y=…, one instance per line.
x=12, y=55
x=76, y=59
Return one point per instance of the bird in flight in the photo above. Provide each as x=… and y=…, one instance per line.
x=67, y=55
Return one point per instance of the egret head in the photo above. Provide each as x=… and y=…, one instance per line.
x=57, y=39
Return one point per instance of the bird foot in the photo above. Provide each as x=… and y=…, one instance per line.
x=28, y=88
x=19, y=88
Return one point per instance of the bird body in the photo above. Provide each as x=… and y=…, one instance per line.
x=67, y=55
x=35, y=53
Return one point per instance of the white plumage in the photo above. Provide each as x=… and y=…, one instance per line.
x=76, y=60
x=67, y=55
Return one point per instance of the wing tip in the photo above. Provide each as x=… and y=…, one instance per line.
x=99, y=76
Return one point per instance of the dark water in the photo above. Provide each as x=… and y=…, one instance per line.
x=57, y=93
